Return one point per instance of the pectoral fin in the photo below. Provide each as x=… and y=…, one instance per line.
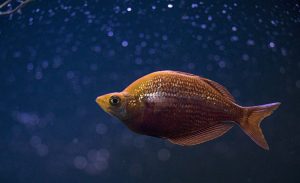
x=202, y=135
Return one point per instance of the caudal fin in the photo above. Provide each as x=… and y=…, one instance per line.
x=250, y=123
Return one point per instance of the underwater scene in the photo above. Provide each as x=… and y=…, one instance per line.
x=57, y=57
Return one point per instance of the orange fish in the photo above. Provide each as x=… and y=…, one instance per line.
x=184, y=108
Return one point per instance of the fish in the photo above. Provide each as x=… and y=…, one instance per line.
x=184, y=108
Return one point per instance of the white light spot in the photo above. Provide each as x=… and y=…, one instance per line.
x=234, y=38
x=129, y=9
x=234, y=28
x=209, y=18
x=203, y=26
x=272, y=44
x=30, y=67
x=124, y=43
x=194, y=5
x=170, y=5
x=110, y=33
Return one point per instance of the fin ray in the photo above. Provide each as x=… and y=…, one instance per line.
x=201, y=136
x=221, y=89
x=250, y=123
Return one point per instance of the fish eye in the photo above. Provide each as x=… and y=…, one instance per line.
x=114, y=100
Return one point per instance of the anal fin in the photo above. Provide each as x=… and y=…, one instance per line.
x=203, y=135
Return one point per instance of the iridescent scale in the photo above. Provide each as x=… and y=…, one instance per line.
x=177, y=104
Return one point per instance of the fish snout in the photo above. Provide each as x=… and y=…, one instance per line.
x=100, y=101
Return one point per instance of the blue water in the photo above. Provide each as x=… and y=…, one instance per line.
x=57, y=56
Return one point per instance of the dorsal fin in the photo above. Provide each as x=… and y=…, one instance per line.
x=184, y=73
x=221, y=89
x=203, y=135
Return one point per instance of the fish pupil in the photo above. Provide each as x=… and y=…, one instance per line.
x=114, y=100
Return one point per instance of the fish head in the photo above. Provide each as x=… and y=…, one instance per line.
x=114, y=104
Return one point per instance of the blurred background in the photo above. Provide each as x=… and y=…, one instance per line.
x=57, y=56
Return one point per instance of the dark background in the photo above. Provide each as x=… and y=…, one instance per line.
x=57, y=56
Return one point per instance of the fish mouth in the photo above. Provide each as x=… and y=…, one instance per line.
x=100, y=102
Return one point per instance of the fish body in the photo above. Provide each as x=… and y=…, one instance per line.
x=184, y=108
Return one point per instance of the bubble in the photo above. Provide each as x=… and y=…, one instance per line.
x=143, y=44
x=234, y=28
x=101, y=165
x=70, y=74
x=124, y=43
x=92, y=155
x=209, y=18
x=170, y=5
x=151, y=51
x=250, y=42
x=273, y=22
x=94, y=67
x=199, y=38
x=234, y=38
x=110, y=33
x=57, y=61
x=165, y=37
x=38, y=75
x=271, y=44
x=75, y=140
x=97, y=49
x=80, y=162
x=45, y=64
x=194, y=5
x=27, y=118
x=35, y=141
x=283, y=51
x=97, y=161
x=17, y=54
x=245, y=57
x=153, y=7
x=101, y=129
x=103, y=153
x=29, y=67
x=138, y=61
x=222, y=64
x=163, y=154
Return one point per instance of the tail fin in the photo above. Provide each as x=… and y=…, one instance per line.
x=251, y=122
